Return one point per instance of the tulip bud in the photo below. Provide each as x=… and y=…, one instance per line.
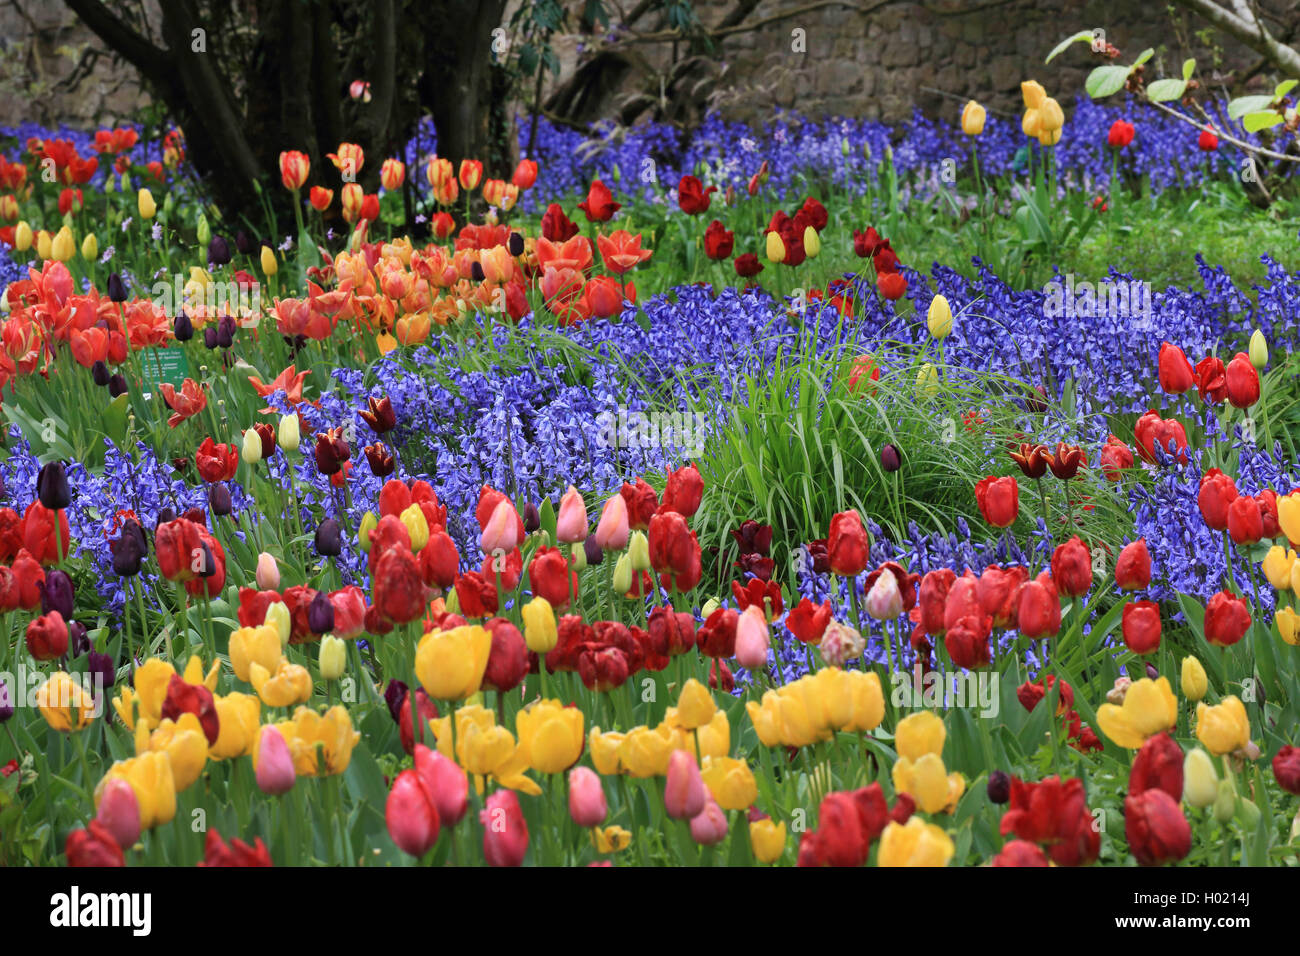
x=1258, y=349
x=532, y=518
x=710, y=825
x=145, y=204
x=638, y=551
x=587, y=804
x=218, y=251
x=52, y=486
x=623, y=574
x=320, y=614
x=927, y=380
x=539, y=626
x=1200, y=782
x=329, y=540
x=268, y=572
x=278, y=616
x=884, y=600
x=275, y=770
x=219, y=499
x=890, y=459
x=1225, y=803
x=999, y=787
x=288, y=436
x=684, y=792
x=812, y=242
x=269, y=264
x=202, y=231
x=100, y=373
x=939, y=319
x=752, y=639
x=251, y=449
x=1194, y=680
x=333, y=657
x=90, y=247
x=183, y=328
x=711, y=605
x=63, y=245
x=22, y=237
x=592, y=552
x=775, y=247
x=118, y=811
x=6, y=702
x=571, y=522
x=368, y=524
x=578, y=557
x=43, y=245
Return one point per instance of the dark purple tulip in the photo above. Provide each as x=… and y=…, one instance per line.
x=218, y=251
x=129, y=549
x=7, y=702
x=243, y=242
x=183, y=328
x=532, y=518
x=476, y=270
x=210, y=337
x=100, y=373
x=57, y=593
x=101, y=666
x=320, y=614
x=78, y=642
x=516, y=244
x=116, y=288
x=219, y=499
x=165, y=515
x=999, y=787
x=117, y=385
x=394, y=695
x=890, y=459
x=594, y=554
x=329, y=540
x=226, y=332
x=52, y=486
x=1152, y=672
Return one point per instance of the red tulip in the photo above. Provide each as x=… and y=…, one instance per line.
x=47, y=637
x=411, y=817
x=294, y=167
x=505, y=832
x=556, y=226
x=1211, y=380
x=1072, y=568
x=692, y=197
x=439, y=561
x=892, y=285
x=1286, y=768
x=525, y=174
x=398, y=586
x=1055, y=815
x=848, y=544
x=93, y=846
x=178, y=546
x=747, y=265
x=718, y=241
x=683, y=492
x=1121, y=134
x=717, y=635
x=1245, y=523
x=933, y=598
x=1152, y=430
x=1133, y=567
x=550, y=575
x=1020, y=853
x=427, y=711
x=1243, y=382
x=1226, y=619
x=1141, y=626
x=998, y=592
x=1039, y=613
x=216, y=852
x=1207, y=142
x=1156, y=830
x=998, y=500
x=1217, y=492
x=1115, y=457
x=599, y=204
x=216, y=462
x=196, y=699
x=1157, y=766
x=1175, y=371
x=674, y=551
x=39, y=538
x=445, y=783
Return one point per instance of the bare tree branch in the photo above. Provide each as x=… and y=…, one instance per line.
x=1250, y=32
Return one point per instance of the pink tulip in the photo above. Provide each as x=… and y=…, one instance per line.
x=505, y=832
x=612, y=530
x=268, y=573
x=275, y=773
x=501, y=533
x=586, y=797
x=571, y=524
x=444, y=782
x=710, y=825
x=752, y=638
x=884, y=601
x=411, y=817
x=684, y=793
x=119, y=812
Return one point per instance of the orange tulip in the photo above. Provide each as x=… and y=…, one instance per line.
x=353, y=197
x=525, y=174
x=320, y=198
x=471, y=173
x=445, y=193
x=294, y=168
x=438, y=171
x=622, y=251
x=392, y=174
x=348, y=160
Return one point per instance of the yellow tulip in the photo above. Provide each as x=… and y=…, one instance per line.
x=259, y=645
x=269, y=264
x=972, y=118
x=730, y=781
x=939, y=319
x=1050, y=116
x=611, y=839
x=63, y=246
x=184, y=744
x=550, y=736
x=1258, y=349
x=868, y=701
x=925, y=779
x=145, y=204
x=23, y=236
x=330, y=735
x=44, y=245
x=644, y=753
x=767, y=840
x=1149, y=708
x=149, y=692
x=289, y=436
x=150, y=777
x=1200, y=782
x=766, y=719
x=621, y=580
x=775, y=247
x=714, y=738
x=287, y=685
x=1031, y=124
x=466, y=716
x=638, y=550
x=1049, y=137
x=485, y=749
x=539, y=626
x=1277, y=565
x=416, y=526
x=333, y=657
x=915, y=843
x=1194, y=682
x=1224, y=727
x=250, y=451
x=194, y=674
x=1288, y=515
x=927, y=380
x=920, y=734
x=1033, y=93
x=238, y=715
x=1288, y=625
x=812, y=242
x=450, y=664
x=695, y=705
x=605, y=751
x=64, y=703
x=90, y=247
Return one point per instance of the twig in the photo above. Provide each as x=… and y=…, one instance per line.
x=1240, y=144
